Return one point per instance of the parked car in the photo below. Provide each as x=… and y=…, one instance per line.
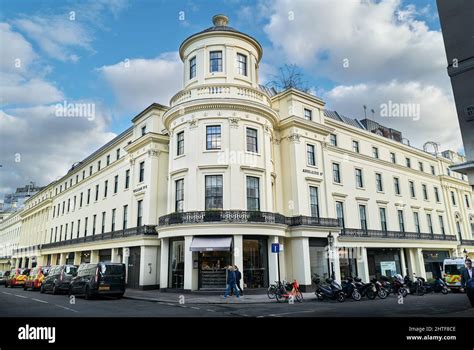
x=103, y=278
x=17, y=277
x=36, y=277
x=58, y=279
x=5, y=276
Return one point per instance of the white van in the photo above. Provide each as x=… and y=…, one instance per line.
x=452, y=272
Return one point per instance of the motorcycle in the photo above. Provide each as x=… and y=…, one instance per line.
x=350, y=290
x=332, y=290
x=382, y=293
x=415, y=286
x=397, y=286
x=365, y=289
x=438, y=286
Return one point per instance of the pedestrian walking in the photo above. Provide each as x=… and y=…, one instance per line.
x=238, y=277
x=231, y=282
x=467, y=281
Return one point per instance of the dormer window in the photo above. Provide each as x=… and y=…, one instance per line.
x=215, y=61
x=242, y=64
x=143, y=130
x=192, y=68
x=308, y=114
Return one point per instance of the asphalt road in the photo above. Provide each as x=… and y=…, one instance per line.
x=19, y=303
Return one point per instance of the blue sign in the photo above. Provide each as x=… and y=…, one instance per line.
x=275, y=247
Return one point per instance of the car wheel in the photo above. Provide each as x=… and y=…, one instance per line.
x=42, y=289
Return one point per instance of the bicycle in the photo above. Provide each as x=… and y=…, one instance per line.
x=289, y=291
x=271, y=291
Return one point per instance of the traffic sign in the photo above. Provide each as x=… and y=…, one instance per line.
x=275, y=247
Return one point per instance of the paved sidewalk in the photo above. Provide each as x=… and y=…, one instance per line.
x=200, y=298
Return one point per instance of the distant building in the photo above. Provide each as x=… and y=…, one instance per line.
x=16, y=200
x=456, y=17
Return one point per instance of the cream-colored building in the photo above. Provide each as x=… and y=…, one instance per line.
x=230, y=168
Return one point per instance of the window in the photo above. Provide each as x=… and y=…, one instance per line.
x=213, y=137
x=355, y=146
x=192, y=68
x=108, y=159
x=393, y=158
x=383, y=219
x=74, y=203
x=65, y=186
x=363, y=217
x=213, y=192
x=98, y=165
x=458, y=229
x=396, y=185
x=83, y=175
x=359, y=179
x=378, y=182
x=96, y=193
x=215, y=61
x=78, y=228
x=70, y=182
x=68, y=204
x=408, y=162
x=141, y=175
x=242, y=64
x=401, y=221
x=308, y=114
x=429, y=222
x=64, y=206
x=56, y=234
x=127, y=178
x=453, y=198
x=336, y=174
x=103, y=222
x=253, y=193
x=90, y=170
x=112, y=227
x=333, y=140
x=433, y=172
x=179, y=194
x=412, y=189
x=314, y=202
x=77, y=178
x=416, y=219
x=115, y=183
x=88, y=196
x=425, y=192
x=85, y=226
x=311, y=156
x=180, y=143
x=466, y=197
x=125, y=217
x=436, y=192
x=117, y=154
x=139, y=213
x=441, y=224
x=420, y=166
x=449, y=171
x=61, y=233
x=94, y=219
x=375, y=152
x=252, y=140
x=340, y=213
x=106, y=186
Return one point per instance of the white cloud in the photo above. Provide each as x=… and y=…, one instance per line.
x=437, y=122
x=138, y=82
x=19, y=55
x=17, y=90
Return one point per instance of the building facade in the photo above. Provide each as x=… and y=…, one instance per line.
x=229, y=168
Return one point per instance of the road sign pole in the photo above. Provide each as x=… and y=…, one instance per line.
x=278, y=256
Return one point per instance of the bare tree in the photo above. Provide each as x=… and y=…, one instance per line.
x=289, y=76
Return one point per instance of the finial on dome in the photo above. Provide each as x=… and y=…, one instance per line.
x=220, y=20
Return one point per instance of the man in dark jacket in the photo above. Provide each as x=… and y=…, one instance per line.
x=231, y=282
x=467, y=281
x=238, y=277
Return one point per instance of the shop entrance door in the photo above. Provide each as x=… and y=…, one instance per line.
x=133, y=271
x=212, y=272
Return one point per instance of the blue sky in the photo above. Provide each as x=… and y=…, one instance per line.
x=81, y=60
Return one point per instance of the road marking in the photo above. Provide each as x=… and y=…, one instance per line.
x=65, y=308
x=287, y=313
x=7, y=293
x=210, y=310
x=21, y=296
x=195, y=308
x=41, y=301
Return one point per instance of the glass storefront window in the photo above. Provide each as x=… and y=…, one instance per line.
x=383, y=262
x=176, y=264
x=348, y=262
x=255, y=267
x=319, y=262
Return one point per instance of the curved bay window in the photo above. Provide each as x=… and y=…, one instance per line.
x=255, y=260
x=176, y=264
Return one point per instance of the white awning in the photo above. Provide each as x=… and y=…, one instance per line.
x=211, y=244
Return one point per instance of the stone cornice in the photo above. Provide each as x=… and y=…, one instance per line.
x=150, y=137
x=294, y=121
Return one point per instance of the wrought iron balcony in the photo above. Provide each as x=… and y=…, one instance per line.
x=147, y=230
x=361, y=233
x=467, y=241
x=242, y=216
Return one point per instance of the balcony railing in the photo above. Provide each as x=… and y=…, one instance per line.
x=467, y=241
x=242, y=216
x=360, y=233
x=147, y=230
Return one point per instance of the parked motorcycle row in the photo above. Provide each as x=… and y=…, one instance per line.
x=355, y=289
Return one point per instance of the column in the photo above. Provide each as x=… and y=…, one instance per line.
x=62, y=258
x=148, y=272
x=115, y=255
x=362, y=264
x=94, y=256
x=410, y=262
x=301, y=262
x=77, y=258
x=188, y=263
x=125, y=261
x=239, y=256
x=335, y=261
x=273, y=261
x=164, y=257
x=403, y=262
x=421, y=263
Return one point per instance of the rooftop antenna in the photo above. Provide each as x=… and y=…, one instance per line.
x=373, y=114
x=365, y=111
x=434, y=145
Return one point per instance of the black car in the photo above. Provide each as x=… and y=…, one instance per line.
x=58, y=279
x=103, y=278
